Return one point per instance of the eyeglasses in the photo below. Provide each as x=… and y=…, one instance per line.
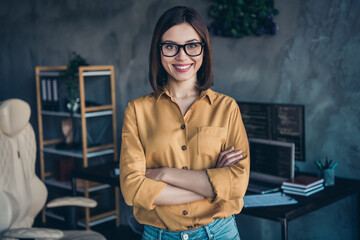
x=192, y=49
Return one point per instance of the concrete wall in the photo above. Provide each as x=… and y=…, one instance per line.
x=313, y=60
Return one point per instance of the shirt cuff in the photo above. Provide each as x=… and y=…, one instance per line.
x=148, y=192
x=220, y=180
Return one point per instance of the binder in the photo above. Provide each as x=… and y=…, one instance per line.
x=55, y=94
x=49, y=94
x=44, y=101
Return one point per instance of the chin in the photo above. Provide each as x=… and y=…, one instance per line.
x=183, y=78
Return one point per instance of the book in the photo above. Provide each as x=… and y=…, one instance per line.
x=304, y=193
x=303, y=181
x=297, y=189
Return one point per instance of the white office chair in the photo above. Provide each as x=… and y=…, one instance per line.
x=22, y=193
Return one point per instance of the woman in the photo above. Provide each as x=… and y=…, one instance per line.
x=184, y=162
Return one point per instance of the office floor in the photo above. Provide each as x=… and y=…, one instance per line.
x=108, y=229
x=111, y=232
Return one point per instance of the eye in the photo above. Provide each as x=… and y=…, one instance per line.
x=193, y=45
x=170, y=46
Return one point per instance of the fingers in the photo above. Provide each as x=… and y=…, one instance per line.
x=231, y=161
x=229, y=150
x=229, y=157
x=223, y=154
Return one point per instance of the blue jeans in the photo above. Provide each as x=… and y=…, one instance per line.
x=220, y=229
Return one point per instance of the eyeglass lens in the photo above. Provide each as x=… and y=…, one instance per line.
x=191, y=49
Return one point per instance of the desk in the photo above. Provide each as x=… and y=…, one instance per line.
x=103, y=173
x=343, y=188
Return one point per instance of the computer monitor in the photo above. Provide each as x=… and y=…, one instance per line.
x=270, y=160
x=274, y=121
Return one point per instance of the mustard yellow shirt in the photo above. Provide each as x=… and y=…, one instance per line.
x=155, y=134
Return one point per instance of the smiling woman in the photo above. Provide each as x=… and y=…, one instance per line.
x=184, y=162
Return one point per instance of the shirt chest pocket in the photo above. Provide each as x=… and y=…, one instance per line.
x=210, y=142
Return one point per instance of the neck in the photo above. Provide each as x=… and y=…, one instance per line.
x=182, y=89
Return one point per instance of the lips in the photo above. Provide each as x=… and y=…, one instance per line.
x=182, y=67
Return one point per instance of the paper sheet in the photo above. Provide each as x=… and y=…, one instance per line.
x=265, y=200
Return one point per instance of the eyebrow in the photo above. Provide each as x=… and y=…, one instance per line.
x=188, y=41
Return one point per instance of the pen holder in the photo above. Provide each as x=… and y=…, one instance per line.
x=329, y=177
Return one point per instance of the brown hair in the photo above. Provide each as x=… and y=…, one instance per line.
x=172, y=17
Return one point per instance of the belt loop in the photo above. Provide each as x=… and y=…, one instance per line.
x=160, y=233
x=210, y=236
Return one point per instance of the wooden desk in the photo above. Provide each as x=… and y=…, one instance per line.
x=343, y=188
x=104, y=173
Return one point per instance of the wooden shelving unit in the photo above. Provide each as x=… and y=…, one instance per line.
x=87, y=152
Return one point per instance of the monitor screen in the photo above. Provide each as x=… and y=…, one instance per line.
x=282, y=122
x=272, y=159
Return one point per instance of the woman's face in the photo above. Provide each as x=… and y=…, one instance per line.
x=181, y=67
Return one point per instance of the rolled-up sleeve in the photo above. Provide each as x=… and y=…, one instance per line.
x=231, y=182
x=137, y=189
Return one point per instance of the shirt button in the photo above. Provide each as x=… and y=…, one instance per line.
x=185, y=236
x=185, y=168
x=184, y=147
x=183, y=126
x=185, y=213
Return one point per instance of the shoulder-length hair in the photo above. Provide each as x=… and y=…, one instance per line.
x=172, y=17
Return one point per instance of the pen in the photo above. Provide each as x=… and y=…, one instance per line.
x=318, y=164
x=326, y=162
x=334, y=166
x=330, y=163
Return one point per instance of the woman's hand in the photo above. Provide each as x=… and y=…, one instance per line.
x=229, y=157
x=156, y=174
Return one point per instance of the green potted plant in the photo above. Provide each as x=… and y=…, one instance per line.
x=240, y=18
x=70, y=126
x=72, y=82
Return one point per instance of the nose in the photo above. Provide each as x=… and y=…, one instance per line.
x=181, y=54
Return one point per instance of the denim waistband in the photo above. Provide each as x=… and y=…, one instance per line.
x=204, y=232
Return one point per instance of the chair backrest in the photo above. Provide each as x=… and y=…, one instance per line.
x=22, y=193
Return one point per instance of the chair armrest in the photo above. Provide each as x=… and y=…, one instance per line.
x=72, y=201
x=35, y=233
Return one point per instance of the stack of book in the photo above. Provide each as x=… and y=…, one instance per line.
x=303, y=185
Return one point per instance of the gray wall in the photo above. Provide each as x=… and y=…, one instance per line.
x=313, y=60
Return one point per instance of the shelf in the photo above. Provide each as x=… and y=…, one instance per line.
x=80, y=223
x=96, y=73
x=85, y=74
x=67, y=185
x=76, y=153
x=101, y=109
x=77, y=115
x=49, y=74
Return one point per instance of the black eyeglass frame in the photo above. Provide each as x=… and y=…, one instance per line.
x=183, y=47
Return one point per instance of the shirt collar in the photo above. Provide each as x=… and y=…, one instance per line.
x=162, y=93
x=208, y=93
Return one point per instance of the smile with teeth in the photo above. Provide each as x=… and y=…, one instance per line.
x=182, y=67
